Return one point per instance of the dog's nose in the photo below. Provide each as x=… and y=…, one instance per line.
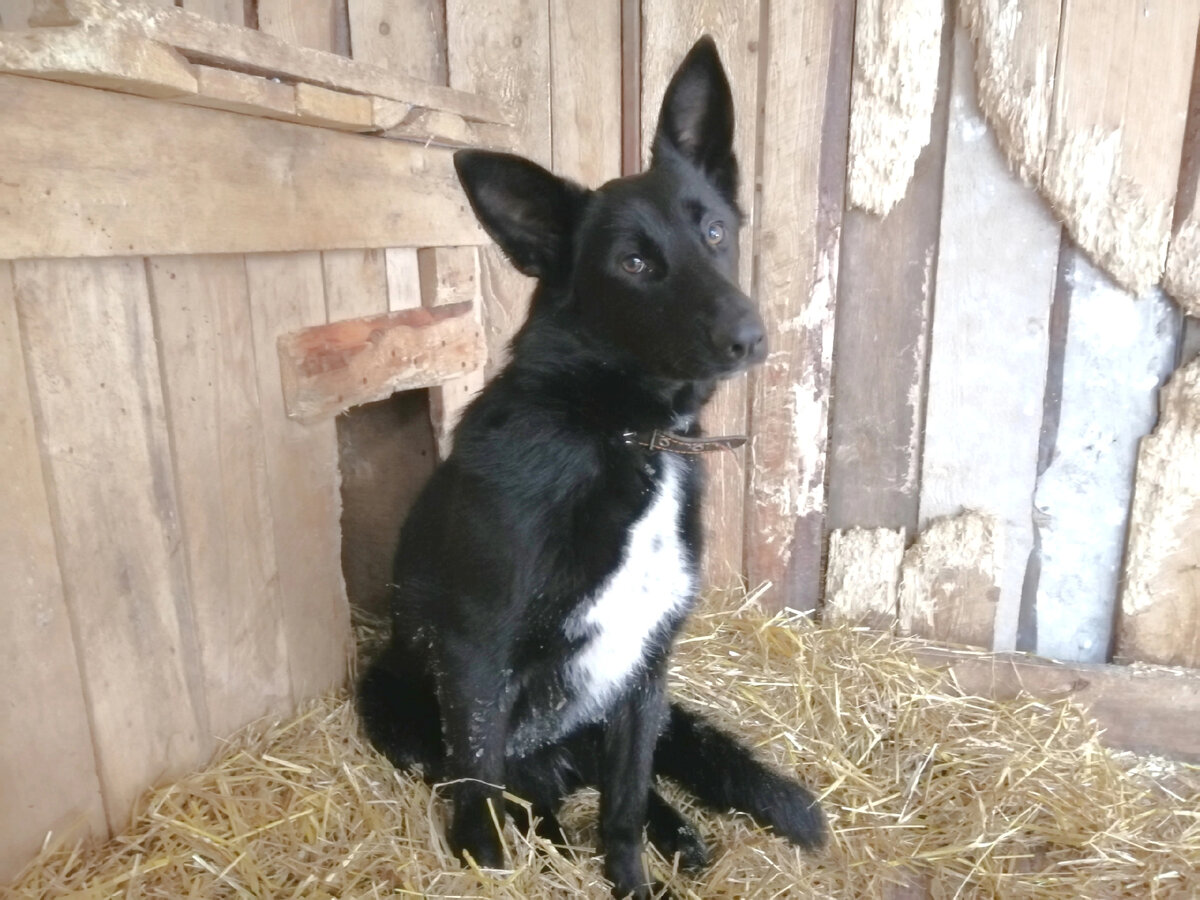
x=745, y=341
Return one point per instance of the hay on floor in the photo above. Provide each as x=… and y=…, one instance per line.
x=951, y=795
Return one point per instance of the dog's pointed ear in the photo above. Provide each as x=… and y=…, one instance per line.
x=697, y=117
x=528, y=211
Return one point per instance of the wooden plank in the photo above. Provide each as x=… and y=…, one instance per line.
x=897, y=50
x=406, y=122
x=668, y=32
x=15, y=14
x=286, y=293
x=995, y=279
x=1160, y=590
x=1112, y=164
x=48, y=777
x=881, y=344
x=403, y=278
x=631, y=86
x=862, y=578
x=356, y=283
x=1182, y=277
x=241, y=93
x=1015, y=56
x=504, y=50
x=262, y=54
x=94, y=372
x=1142, y=708
x=304, y=23
x=1119, y=348
x=333, y=109
x=585, y=63
x=231, y=11
x=329, y=368
x=448, y=275
x=406, y=36
x=202, y=313
x=948, y=580
x=236, y=183
x=803, y=135
x=102, y=58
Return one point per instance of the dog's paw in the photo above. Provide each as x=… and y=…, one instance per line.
x=477, y=836
x=670, y=832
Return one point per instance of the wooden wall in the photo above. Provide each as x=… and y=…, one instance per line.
x=954, y=413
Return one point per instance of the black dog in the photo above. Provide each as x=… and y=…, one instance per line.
x=545, y=570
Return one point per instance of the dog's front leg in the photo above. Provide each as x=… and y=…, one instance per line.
x=629, y=741
x=475, y=703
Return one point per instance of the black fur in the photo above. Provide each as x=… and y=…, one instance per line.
x=635, y=317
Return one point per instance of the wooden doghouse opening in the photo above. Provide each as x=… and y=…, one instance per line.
x=386, y=452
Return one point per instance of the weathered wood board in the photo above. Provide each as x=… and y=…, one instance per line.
x=406, y=36
x=897, y=50
x=881, y=344
x=48, y=776
x=504, y=51
x=667, y=33
x=1160, y=591
x=287, y=293
x=235, y=184
x=1119, y=348
x=1143, y=708
x=862, y=579
x=356, y=283
x=232, y=12
x=202, y=314
x=302, y=23
x=805, y=113
x=1112, y=158
x=995, y=278
x=949, y=583
x=329, y=368
x=94, y=371
x=1182, y=277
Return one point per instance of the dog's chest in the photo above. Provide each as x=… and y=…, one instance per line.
x=652, y=586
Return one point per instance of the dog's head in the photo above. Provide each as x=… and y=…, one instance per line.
x=646, y=263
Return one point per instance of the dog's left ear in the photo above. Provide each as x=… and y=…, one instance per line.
x=528, y=211
x=697, y=118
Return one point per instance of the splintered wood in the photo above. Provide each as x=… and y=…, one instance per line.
x=1109, y=161
x=1160, y=603
x=329, y=368
x=897, y=49
x=948, y=581
x=862, y=580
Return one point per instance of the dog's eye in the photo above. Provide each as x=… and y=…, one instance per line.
x=634, y=264
x=715, y=233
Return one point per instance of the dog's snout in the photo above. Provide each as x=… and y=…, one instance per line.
x=743, y=340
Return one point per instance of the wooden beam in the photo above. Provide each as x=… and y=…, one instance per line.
x=333, y=109
x=803, y=167
x=1142, y=708
x=48, y=777
x=213, y=182
x=329, y=368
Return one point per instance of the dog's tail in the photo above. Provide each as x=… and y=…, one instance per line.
x=723, y=774
x=400, y=714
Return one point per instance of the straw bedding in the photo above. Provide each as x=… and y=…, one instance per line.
x=929, y=793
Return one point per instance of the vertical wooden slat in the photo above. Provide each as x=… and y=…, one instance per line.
x=356, y=283
x=14, y=14
x=403, y=278
x=1182, y=277
x=207, y=350
x=668, y=31
x=503, y=50
x=48, y=775
x=881, y=344
x=99, y=405
x=585, y=82
x=305, y=23
x=631, y=86
x=803, y=165
x=230, y=11
x=286, y=293
x=407, y=36
x=995, y=279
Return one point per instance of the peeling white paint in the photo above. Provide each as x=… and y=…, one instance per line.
x=863, y=575
x=1119, y=348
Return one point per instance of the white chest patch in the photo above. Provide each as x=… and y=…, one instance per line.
x=655, y=578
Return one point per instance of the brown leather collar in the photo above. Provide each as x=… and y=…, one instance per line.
x=678, y=443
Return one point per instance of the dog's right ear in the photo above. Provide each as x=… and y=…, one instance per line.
x=528, y=211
